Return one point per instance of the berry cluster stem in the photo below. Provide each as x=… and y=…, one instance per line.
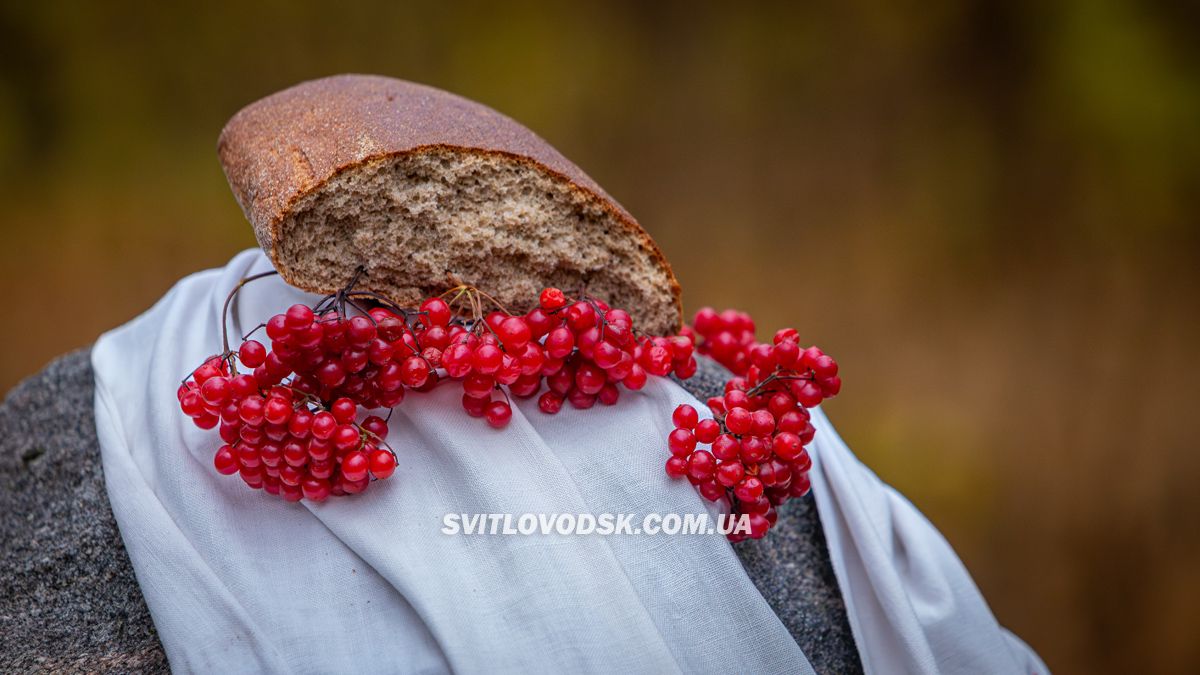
x=229, y=300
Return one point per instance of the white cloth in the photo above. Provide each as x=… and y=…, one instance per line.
x=239, y=581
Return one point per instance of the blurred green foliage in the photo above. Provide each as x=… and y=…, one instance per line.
x=987, y=211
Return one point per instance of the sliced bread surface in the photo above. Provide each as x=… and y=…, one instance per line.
x=426, y=190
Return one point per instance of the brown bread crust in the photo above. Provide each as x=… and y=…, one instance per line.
x=287, y=145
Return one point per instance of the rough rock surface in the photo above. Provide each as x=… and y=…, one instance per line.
x=69, y=601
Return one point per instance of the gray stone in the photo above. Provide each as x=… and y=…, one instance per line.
x=69, y=601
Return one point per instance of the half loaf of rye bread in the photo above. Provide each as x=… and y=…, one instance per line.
x=427, y=190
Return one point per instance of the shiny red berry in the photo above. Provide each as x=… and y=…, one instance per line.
x=376, y=425
x=787, y=446
x=323, y=425
x=498, y=414
x=749, y=490
x=609, y=394
x=707, y=430
x=437, y=312
x=514, y=334
x=550, y=402
x=225, y=461
x=473, y=405
x=676, y=466
x=478, y=386
x=686, y=417
x=316, y=489
x=488, y=359
x=252, y=409
x=345, y=437
x=739, y=421
x=730, y=474
x=681, y=442
x=560, y=342
x=382, y=464
x=552, y=299
x=298, y=317
x=726, y=447
x=701, y=465
x=355, y=465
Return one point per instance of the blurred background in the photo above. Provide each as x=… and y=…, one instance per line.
x=986, y=211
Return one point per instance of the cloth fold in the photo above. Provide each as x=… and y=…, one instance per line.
x=238, y=581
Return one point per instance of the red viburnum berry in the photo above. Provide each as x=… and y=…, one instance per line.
x=730, y=474
x=382, y=464
x=749, y=490
x=323, y=425
x=552, y=299
x=676, y=466
x=514, y=334
x=298, y=317
x=437, y=311
x=277, y=411
x=739, y=421
x=251, y=409
x=707, y=430
x=550, y=402
x=685, y=417
x=560, y=342
x=609, y=394
x=488, y=359
x=225, y=461
x=701, y=465
x=498, y=414
x=345, y=437
x=355, y=466
x=474, y=405
x=681, y=442
x=726, y=447
x=376, y=425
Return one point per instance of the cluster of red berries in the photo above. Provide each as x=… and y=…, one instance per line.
x=281, y=439
x=297, y=424
x=290, y=424
x=589, y=351
x=726, y=337
x=756, y=457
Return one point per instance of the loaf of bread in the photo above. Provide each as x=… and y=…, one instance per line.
x=427, y=190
